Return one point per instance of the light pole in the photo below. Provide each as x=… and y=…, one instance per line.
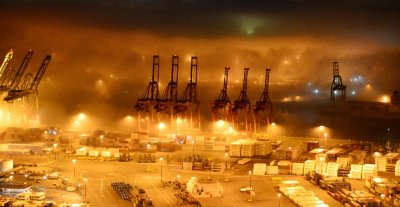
x=178, y=177
x=148, y=152
x=63, y=195
x=226, y=162
x=383, y=199
x=54, y=150
x=326, y=141
x=250, y=173
x=226, y=166
x=74, y=162
x=279, y=199
x=161, y=161
x=85, y=179
x=193, y=149
x=320, y=163
x=272, y=130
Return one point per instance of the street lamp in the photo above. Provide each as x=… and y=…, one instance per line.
x=161, y=161
x=85, y=179
x=250, y=173
x=178, y=177
x=54, y=150
x=74, y=162
x=63, y=195
x=326, y=142
x=279, y=199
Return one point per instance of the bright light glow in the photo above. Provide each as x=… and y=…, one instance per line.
x=273, y=124
x=74, y=161
x=321, y=128
x=353, y=92
x=316, y=91
x=161, y=159
x=368, y=86
x=179, y=121
x=279, y=195
x=230, y=129
x=129, y=117
x=385, y=99
x=82, y=116
x=377, y=154
x=287, y=99
x=161, y=126
x=220, y=123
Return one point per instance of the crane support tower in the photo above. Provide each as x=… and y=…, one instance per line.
x=263, y=115
x=221, y=108
x=337, y=84
x=6, y=61
x=24, y=96
x=188, y=106
x=151, y=95
x=30, y=84
x=241, y=110
x=166, y=104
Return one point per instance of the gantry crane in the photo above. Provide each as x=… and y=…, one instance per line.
x=221, y=108
x=241, y=110
x=188, y=105
x=32, y=86
x=166, y=104
x=151, y=95
x=337, y=84
x=11, y=81
x=263, y=115
x=6, y=61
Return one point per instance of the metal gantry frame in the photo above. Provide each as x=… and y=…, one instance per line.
x=145, y=104
x=166, y=104
x=10, y=80
x=188, y=105
x=263, y=115
x=242, y=109
x=337, y=84
x=221, y=108
x=24, y=95
x=6, y=61
x=17, y=91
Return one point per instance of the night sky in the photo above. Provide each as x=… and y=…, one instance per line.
x=102, y=50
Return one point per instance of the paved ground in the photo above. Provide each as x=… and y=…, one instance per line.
x=101, y=174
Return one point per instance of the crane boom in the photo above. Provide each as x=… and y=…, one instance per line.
x=27, y=80
x=21, y=70
x=6, y=61
x=39, y=75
